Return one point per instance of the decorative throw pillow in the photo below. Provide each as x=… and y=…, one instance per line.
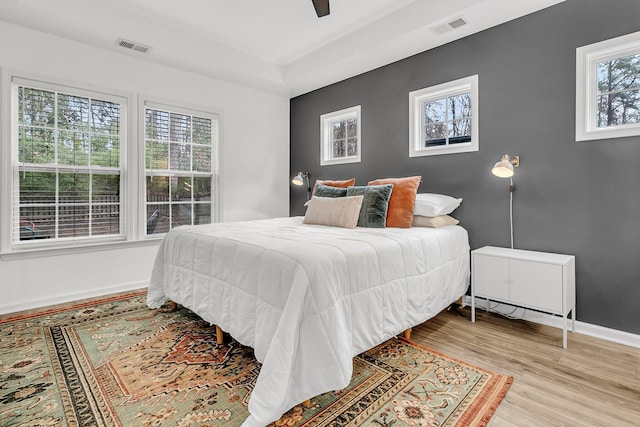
x=402, y=201
x=333, y=211
x=431, y=204
x=434, y=221
x=375, y=204
x=340, y=184
x=328, y=191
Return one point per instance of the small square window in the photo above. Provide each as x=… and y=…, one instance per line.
x=340, y=136
x=608, y=88
x=443, y=118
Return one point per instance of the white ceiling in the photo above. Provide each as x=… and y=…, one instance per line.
x=274, y=45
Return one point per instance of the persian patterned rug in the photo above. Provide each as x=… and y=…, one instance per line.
x=117, y=363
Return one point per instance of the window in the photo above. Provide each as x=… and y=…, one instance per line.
x=340, y=136
x=66, y=147
x=180, y=167
x=443, y=119
x=608, y=88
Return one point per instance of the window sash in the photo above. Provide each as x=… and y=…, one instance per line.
x=340, y=148
x=448, y=123
x=589, y=96
x=448, y=142
x=83, y=213
x=183, y=165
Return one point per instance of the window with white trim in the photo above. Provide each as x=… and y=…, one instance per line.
x=608, y=88
x=66, y=151
x=340, y=137
x=443, y=119
x=180, y=167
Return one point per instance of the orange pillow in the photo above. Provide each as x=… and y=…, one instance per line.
x=402, y=201
x=340, y=184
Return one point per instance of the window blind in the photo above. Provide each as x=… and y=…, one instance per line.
x=67, y=179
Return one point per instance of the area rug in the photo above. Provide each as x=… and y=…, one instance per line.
x=115, y=362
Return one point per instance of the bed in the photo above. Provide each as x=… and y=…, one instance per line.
x=308, y=298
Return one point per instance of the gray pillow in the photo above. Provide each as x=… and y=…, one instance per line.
x=373, y=213
x=328, y=191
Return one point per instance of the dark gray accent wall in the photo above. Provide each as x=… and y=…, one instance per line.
x=580, y=198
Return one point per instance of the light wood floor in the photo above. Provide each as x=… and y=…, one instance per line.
x=591, y=383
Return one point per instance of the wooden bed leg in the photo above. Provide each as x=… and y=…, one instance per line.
x=173, y=306
x=407, y=334
x=219, y=335
x=306, y=403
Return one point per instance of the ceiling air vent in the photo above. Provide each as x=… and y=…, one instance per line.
x=127, y=44
x=449, y=26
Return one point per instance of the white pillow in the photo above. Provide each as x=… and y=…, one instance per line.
x=433, y=221
x=431, y=204
x=333, y=211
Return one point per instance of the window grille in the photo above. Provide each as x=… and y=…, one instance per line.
x=180, y=159
x=67, y=179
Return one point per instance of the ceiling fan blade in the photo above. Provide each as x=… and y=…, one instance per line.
x=322, y=7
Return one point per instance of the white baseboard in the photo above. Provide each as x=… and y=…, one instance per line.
x=93, y=293
x=596, y=331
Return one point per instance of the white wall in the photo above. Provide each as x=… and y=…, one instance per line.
x=254, y=160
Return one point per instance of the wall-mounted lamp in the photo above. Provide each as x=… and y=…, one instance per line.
x=300, y=179
x=505, y=169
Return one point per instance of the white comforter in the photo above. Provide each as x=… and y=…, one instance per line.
x=308, y=298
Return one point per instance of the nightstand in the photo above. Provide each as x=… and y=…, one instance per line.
x=540, y=281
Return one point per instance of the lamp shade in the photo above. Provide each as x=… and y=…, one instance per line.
x=299, y=179
x=503, y=169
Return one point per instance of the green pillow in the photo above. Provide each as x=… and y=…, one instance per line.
x=373, y=213
x=328, y=191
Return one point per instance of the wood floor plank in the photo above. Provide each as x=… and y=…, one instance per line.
x=591, y=383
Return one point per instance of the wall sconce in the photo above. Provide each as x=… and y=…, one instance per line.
x=300, y=179
x=505, y=169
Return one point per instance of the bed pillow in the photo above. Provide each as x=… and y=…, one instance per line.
x=340, y=184
x=431, y=204
x=402, y=201
x=373, y=213
x=328, y=191
x=434, y=221
x=333, y=211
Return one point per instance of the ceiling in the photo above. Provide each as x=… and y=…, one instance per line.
x=279, y=46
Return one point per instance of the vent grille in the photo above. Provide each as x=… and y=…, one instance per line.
x=457, y=23
x=138, y=47
x=449, y=26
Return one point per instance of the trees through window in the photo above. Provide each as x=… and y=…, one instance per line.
x=67, y=179
x=180, y=151
x=340, y=136
x=443, y=119
x=608, y=88
x=69, y=176
x=618, y=93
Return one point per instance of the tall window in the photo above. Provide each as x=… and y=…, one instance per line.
x=443, y=118
x=340, y=136
x=608, y=88
x=67, y=168
x=180, y=159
